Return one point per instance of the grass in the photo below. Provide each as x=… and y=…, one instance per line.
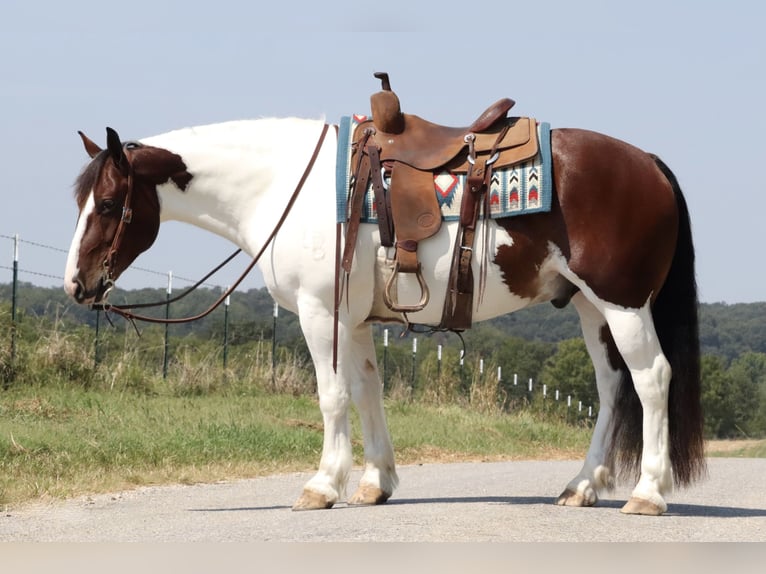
x=746, y=448
x=62, y=441
x=68, y=428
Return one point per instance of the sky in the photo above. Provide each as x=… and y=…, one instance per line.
x=682, y=79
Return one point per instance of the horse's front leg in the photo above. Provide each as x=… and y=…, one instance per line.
x=356, y=374
x=327, y=486
x=379, y=479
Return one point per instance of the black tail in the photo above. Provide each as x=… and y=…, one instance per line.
x=675, y=320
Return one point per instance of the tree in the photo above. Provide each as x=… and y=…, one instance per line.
x=718, y=402
x=748, y=377
x=570, y=370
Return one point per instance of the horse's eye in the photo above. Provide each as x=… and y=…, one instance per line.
x=107, y=205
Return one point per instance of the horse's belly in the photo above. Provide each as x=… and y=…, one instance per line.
x=435, y=255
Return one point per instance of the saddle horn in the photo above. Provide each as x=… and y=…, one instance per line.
x=386, y=110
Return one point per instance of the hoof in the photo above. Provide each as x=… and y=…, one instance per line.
x=571, y=498
x=310, y=500
x=641, y=506
x=367, y=495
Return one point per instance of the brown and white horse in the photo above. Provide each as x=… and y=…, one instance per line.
x=616, y=243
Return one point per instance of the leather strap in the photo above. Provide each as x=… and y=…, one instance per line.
x=458, y=304
x=125, y=219
x=457, y=313
x=382, y=205
x=361, y=179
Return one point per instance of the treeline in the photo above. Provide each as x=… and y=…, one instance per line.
x=726, y=331
x=541, y=343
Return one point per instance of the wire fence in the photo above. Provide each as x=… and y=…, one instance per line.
x=18, y=241
x=524, y=392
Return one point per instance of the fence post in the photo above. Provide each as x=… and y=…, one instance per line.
x=274, y=347
x=439, y=362
x=13, y=298
x=226, y=330
x=167, y=325
x=96, y=358
x=414, y=353
x=385, y=360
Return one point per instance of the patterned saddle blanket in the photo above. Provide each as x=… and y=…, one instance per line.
x=520, y=189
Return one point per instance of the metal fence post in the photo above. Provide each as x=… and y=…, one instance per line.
x=167, y=316
x=385, y=359
x=226, y=330
x=274, y=347
x=13, y=297
x=96, y=358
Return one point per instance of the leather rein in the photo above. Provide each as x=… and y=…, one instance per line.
x=127, y=214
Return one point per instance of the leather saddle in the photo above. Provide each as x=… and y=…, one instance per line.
x=398, y=155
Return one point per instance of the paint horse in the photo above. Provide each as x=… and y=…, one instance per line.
x=616, y=242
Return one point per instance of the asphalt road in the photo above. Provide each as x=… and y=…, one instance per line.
x=481, y=502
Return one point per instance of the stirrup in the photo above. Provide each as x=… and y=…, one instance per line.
x=394, y=305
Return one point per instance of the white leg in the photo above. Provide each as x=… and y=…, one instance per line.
x=595, y=475
x=379, y=479
x=636, y=339
x=327, y=486
x=356, y=376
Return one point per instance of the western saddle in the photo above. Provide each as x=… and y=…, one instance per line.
x=398, y=155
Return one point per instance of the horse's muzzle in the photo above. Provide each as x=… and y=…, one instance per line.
x=85, y=296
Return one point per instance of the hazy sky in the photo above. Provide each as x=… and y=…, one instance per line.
x=684, y=80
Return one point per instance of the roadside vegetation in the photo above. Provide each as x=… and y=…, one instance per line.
x=81, y=415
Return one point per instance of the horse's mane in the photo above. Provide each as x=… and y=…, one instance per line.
x=87, y=178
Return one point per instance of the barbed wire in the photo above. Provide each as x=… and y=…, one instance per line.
x=34, y=243
x=28, y=272
x=60, y=250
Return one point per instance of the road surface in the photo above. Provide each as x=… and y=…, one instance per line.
x=480, y=502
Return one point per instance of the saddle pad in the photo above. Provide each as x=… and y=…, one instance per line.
x=520, y=189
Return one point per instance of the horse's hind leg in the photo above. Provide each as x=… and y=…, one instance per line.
x=636, y=339
x=379, y=479
x=595, y=474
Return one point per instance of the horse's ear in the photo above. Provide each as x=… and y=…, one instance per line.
x=90, y=147
x=114, y=145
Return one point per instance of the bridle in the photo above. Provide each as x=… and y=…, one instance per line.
x=126, y=218
x=108, y=278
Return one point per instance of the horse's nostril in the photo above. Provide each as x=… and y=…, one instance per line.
x=79, y=292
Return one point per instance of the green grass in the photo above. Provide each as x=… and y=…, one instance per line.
x=69, y=428
x=63, y=441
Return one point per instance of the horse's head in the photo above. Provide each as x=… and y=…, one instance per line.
x=119, y=212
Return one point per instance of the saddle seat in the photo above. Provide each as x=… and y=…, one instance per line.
x=419, y=143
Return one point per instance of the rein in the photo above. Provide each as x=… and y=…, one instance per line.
x=123, y=310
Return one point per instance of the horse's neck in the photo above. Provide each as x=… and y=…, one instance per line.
x=242, y=174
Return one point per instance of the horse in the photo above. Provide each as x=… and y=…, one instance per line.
x=616, y=243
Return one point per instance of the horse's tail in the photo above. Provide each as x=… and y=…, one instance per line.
x=675, y=320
